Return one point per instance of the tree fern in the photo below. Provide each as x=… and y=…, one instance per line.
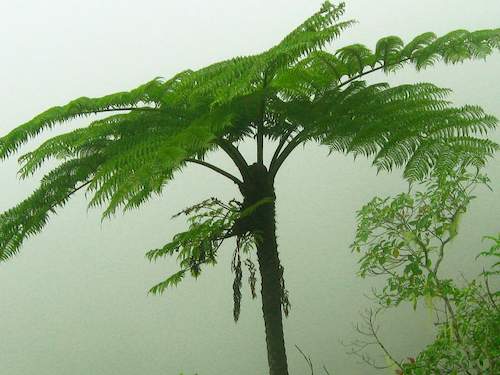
x=295, y=92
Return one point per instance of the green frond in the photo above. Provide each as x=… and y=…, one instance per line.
x=83, y=141
x=30, y=216
x=140, y=152
x=294, y=89
x=148, y=93
x=446, y=125
x=356, y=57
x=331, y=66
x=223, y=82
x=139, y=166
x=388, y=51
x=312, y=35
x=407, y=125
x=211, y=222
x=171, y=281
x=392, y=54
x=460, y=151
x=416, y=44
x=457, y=46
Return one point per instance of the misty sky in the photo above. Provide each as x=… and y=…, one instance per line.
x=75, y=300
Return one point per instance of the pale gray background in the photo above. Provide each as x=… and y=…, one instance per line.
x=75, y=301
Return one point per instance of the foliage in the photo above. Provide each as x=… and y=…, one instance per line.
x=211, y=222
x=293, y=93
x=296, y=89
x=405, y=239
x=470, y=342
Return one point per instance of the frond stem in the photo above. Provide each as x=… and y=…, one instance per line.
x=235, y=156
x=119, y=109
x=371, y=71
x=216, y=169
x=297, y=140
x=281, y=144
x=260, y=125
x=80, y=187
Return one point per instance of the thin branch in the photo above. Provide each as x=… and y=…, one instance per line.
x=307, y=359
x=441, y=255
x=216, y=169
x=373, y=329
x=370, y=330
x=489, y=293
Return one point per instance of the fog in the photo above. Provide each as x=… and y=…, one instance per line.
x=75, y=301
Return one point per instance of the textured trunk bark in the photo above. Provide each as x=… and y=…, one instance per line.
x=262, y=221
x=270, y=273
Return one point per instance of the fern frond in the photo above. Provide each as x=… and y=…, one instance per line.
x=293, y=90
x=356, y=57
x=416, y=44
x=137, y=167
x=211, y=223
x=391, y=54
x=171, y=281
x=30, y=216
x=457, y=46
x=398, y=124
x=441, y=157
x=388, y=52
x=227, y=80
x=149, y=93
x=86, y=140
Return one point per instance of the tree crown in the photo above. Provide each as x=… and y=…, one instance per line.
x=293, y=93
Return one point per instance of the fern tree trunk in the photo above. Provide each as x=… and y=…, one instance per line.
x=258, y=186
x=270, y=272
